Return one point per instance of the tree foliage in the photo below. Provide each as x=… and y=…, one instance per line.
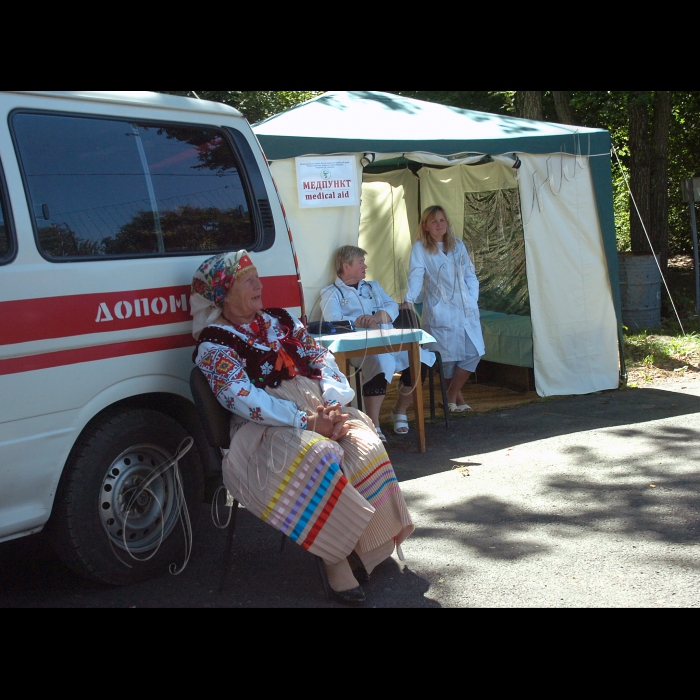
x=671, y=113
x=620, y=112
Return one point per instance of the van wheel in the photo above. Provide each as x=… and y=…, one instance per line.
x=109, y=523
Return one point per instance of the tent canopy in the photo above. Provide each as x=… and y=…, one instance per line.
x=379, y=122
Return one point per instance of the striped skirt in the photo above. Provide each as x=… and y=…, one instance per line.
x=330, y=497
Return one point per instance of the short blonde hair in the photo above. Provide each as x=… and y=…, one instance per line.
x=347, y=254
x=450, y=242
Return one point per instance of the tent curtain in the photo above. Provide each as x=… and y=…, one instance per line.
x=482, y=204
x=446, y=186
x=574, y=327
x=388, y=220
x=493, y=234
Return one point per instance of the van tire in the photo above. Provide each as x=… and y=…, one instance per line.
x=91, y=515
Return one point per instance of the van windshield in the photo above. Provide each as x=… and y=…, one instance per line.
x=111, y=188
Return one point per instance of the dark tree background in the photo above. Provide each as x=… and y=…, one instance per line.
x=656, y=135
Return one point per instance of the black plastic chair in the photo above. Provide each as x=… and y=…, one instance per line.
x=408, y=318
x=215, y=421
x=358, y=388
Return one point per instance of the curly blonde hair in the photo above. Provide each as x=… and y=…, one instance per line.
x=425, y=238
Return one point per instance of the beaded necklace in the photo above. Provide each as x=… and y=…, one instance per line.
x=259, y=328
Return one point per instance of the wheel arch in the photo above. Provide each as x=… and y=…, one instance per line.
x=177, y=406
x=174, y=400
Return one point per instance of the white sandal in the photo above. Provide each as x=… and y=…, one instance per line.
x=381, y=435
x=454, y=408
x=400, y=421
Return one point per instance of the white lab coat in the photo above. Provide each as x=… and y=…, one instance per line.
x=339, y=302
x=450, y=292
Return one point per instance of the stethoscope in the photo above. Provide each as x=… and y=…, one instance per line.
x=360, y=290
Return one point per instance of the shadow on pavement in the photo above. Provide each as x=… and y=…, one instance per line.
x=644, y=487
x=261, y=576
x=488, y=432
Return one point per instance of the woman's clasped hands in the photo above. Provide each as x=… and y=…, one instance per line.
x=329, y=421
x=373, y=320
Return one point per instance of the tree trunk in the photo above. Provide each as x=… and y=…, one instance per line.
x=562, y=103
x=639, y=171
x=528, y=104
x=659, y=176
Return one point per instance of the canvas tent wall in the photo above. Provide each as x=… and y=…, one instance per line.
x=565, y=191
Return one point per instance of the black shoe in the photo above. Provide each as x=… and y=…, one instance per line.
x=358, y=568
x=355, y=596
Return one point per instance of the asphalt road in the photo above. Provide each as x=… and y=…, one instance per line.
x=590, y=501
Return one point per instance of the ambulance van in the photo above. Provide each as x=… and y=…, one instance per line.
x=109, y=201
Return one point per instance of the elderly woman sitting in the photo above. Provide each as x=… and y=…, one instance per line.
x=298, y=459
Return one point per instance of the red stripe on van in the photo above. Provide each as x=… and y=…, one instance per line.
x=29, y=363
x=28, y=320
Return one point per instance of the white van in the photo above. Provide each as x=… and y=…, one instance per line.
x=108, y=204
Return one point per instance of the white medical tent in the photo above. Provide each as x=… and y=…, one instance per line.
x=562, y=176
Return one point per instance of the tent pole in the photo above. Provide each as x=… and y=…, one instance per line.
x=688, y=187
x=694, y=228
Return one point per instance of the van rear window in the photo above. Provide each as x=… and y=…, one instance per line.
x=5, y=239
x=4, y=233
x=111, y=188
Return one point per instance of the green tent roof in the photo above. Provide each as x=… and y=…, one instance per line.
x=351, y=122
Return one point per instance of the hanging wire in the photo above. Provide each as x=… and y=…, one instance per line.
x=180, y=505
x=393, y=237
x=656, y=259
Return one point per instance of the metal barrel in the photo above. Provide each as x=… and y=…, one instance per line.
x=640, y=291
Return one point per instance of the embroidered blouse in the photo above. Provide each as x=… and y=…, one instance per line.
x=237, y=389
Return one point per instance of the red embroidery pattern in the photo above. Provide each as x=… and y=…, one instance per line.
x=269, y=367
x=220, y=369
x=256, y=414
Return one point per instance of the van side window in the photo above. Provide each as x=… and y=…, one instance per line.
x=108, y=188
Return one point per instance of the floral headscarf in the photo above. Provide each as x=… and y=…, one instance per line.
x=210, y=286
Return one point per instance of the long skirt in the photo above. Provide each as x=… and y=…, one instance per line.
x=331, y=497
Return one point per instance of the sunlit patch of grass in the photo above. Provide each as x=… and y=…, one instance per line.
x=646, y=352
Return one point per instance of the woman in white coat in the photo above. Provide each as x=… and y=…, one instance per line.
x=352, y=298
x=442, y=274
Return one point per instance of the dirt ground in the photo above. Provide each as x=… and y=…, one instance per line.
x=481, y=397
x=679, y=305
x=640, y=376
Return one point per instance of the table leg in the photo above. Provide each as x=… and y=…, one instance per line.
x=414, y=364
x=343, y=361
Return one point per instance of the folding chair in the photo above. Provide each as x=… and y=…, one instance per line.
x=408, y=318
x=215, y=420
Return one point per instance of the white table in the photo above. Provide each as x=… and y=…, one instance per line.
x=346, y=346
